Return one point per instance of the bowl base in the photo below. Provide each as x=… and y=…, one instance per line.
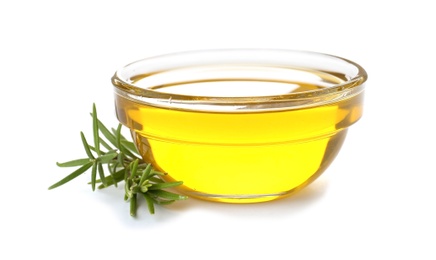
x=248, y=198
x=238, y=199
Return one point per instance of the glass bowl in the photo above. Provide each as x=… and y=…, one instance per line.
x=240, y=125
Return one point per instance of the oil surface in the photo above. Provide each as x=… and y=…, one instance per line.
x=240, y=157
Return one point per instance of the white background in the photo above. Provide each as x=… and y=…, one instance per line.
x=376, y=201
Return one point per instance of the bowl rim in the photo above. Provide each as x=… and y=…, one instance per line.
x=350, y=87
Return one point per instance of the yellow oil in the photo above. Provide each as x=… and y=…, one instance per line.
x=240, y=157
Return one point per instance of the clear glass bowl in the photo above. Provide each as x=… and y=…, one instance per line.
x=240, y=125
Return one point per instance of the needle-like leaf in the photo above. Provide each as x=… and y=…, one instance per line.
x=101, y=174
x=163, y=202
x=118, y=136
x=73, y=175
x=165, y=185
x=86, y=146
x=93, y=175
x=107, y=157
x=105, y=145
x=120, y=145
x=130, y=146
x=133, y=168
x=133, y=205
x=167, y=195
x=155, y=180
x=145, y=174
x=74, y=163
x=112, y=179
x=124, y=163
x=112, y=168
x=150, y=203
x=95, y=130
x=106, y=133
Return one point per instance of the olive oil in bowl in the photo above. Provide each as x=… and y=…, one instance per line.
x=239, y=131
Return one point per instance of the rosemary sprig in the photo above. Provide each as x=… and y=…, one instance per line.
x=124, y=164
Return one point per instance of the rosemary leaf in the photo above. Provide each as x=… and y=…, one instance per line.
x=93, y=175
x=167, y=195
x=112, y=168
x=163, y=202
x=121, y=146
x=105, y=145
x=133, y=168
x=124, y=163
x=150, y=203
x=165, y=185
x=127, y=191
x=120, y=159
x=112, y=179
x=155, y=180
x=107, y=157
x=114, y=131
x=130, y=146
x=86, y=146
x=71, y=176
x=95, y=130
x=101, y=174
x=145, y=174
x=133, y=205
x=118, y=136
x=74, y=163
x=106, y=133
x=122, y=141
